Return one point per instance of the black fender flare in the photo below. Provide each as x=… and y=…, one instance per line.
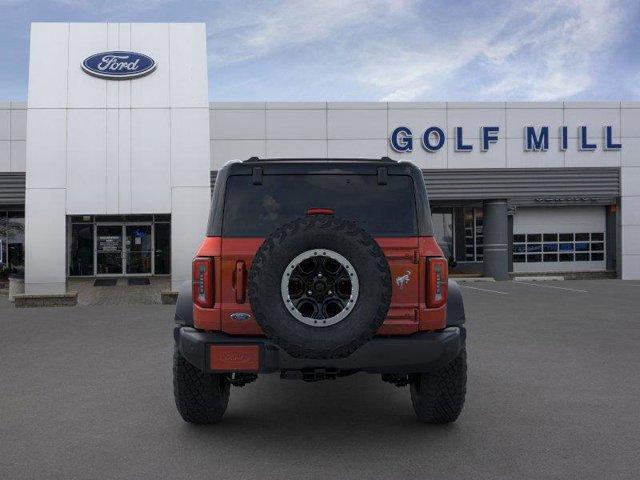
x=455, y=305
x=184, y=306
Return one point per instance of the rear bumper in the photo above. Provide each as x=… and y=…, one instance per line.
x=420, y=352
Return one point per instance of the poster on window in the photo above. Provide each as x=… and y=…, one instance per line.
x=109, y=243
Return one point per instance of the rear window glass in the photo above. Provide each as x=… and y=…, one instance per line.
x=257, y=210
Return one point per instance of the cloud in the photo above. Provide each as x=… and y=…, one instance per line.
x=548, y=50
x=409, y=50
x=263, y=28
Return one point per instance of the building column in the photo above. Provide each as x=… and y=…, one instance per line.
x=45, y=241
x=495, y=240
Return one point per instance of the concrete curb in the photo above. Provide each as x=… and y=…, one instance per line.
x=23, y=300
x=168, y=297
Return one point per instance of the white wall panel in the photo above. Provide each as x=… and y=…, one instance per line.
x=150, y=161
x=190, y=213
x=45, y=241
x=630, y=181
x=630, y=267
x=418, y=120
x=420, y=105
x=152, y=91
x=495, y=157
x=18, y=156
x=296, y=124
x=124, y=86
x=18, y=124
x=189, y=145
x=631, y=239
x=517, y=157
x=124, y=161
x=296, y=105
x=86, y=91
x=518, y=118
x=630, y=211
x=296, y=148
x=48, y=62
x=111, y=162
x=47, y=148
x=113, y=43
x=592, y=118
x=5, y=156
x=417, y=156
x=357, y=148
x=357, y=124
x=472, y=119
x=630, y=119
x=237, y=124
x=630, y=153
x=598, y=158
x=86, y=161
x=5, y=124
x=188, y=54
x=224, y=150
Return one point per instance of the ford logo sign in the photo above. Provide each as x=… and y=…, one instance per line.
x=118, y=65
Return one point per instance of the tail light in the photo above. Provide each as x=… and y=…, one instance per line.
x=203, y=282
x=437, y=282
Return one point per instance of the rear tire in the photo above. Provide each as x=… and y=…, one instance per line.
x=200, y=398
x=438, y=397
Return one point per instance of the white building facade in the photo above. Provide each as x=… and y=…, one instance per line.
x=118, y=171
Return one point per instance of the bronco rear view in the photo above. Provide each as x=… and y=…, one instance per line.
x=317, y=269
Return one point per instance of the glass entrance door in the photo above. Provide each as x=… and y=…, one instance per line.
x=108, y=249
x=139, y=249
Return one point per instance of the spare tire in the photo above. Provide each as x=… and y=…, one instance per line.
x=320, y=287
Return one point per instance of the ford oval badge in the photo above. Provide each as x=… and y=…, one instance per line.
x=118, y=65
x=241, y=316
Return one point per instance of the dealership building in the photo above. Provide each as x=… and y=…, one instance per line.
x=107, y=168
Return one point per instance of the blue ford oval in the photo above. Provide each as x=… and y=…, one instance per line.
x=118, y=65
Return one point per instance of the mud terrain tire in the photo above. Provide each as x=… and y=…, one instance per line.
x=438, y=397
x=201, y=398
x=367, y=313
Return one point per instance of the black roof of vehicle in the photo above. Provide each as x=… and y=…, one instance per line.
x=377, y=161
x=256, y=167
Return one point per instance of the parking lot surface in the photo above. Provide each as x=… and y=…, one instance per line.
x=554, y=392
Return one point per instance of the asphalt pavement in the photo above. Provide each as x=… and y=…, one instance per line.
x=554, y=392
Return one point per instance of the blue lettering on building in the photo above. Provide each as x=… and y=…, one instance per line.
x=460, y=145
x=564, y=138
x=402, y=140
x=536, y=139
x=488, y=135
x=538, y=142
x=584, y=140
x=608, y=139
x=427, y=137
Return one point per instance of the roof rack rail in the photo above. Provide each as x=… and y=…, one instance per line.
x=319, y=160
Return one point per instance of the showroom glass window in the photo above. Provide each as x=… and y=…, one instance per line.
x=120, y=244
x=12, y=242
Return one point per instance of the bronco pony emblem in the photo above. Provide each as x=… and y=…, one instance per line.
x=402, y=280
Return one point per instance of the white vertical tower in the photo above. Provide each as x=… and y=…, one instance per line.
x=97, y=146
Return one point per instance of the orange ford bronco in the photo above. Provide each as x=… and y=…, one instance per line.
x=317, y=269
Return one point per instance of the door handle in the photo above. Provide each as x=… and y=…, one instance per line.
x=240, y=280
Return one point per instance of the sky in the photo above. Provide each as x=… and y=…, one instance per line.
x=377, y=50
